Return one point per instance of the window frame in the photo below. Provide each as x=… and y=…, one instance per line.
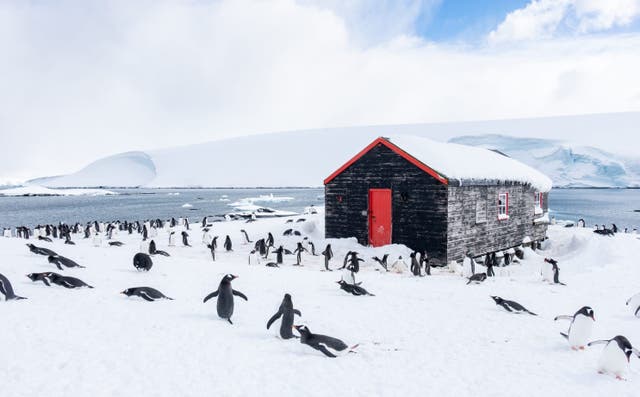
x=505, y=215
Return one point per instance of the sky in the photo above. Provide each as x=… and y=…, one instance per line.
x=84, y=79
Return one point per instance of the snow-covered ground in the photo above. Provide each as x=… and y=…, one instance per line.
x=35, y=190
x=418, y=336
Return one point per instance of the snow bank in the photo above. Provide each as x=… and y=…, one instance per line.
x=34, y=190
x=455, y=161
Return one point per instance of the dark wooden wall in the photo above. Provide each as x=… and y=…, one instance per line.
x=465, y=235
x=419, y=202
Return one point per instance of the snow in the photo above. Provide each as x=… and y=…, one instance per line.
x=433, y=334
x=464, y=162
x=34, y=190
x=269, y=198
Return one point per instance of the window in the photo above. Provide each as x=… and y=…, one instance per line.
x=481, y=211
x=503, y=206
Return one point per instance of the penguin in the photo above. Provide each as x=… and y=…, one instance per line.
x=424, y=261
x=97, y=240
x=328, y=254
x=353, y=289
x=468, y=266
x=298, y=251
x=227, y=244
x=270, y=242
x=39, y=277
x=145, y=232
x=511, y=306
x=313, y=248
x=47, y=239
x=287, y=312
x=399, y=266
x=142, y=261
x=59, y=260
x=383, y=261
x=287, y=232
x=261, y=248
x=146, y=293
x=66, y=281
x=547, y=270
x=212, y=248
x=329, y=346
x=615, y=356
x=246, y=236
x=154, y=251
x=6, y=289
x=225, y=295
x=172, y=242
x=580, y=328
x=415, y=265
x=477, y=278
x=279, y=252
x=40, y=250
x=115, y=244
x=185, y=239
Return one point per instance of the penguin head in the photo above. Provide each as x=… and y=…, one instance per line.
x=51, y=258
x=229, y=277
x=32, y=276
x=625, y=346
x=287, y=297
x=127, y=292
x=302, y=329
x=587, y=311
x=497, y=299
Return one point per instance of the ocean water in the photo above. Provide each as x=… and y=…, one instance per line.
x=595, y=206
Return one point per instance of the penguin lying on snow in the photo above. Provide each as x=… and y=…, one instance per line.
x=146, y=293
x=616, y=355
x=225, y=295
x=59, y=260
x=477, y=278
x=6, y=289
x=511, y=306
x=39, y=277
x=40, y=250
x=287, y=312
x=353, y=289
x=47, y=239
x=580, y=328
x=329, y=346
x=66, y=281
x=115, y=244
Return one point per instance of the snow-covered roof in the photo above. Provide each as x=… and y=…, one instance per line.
x=462, y=162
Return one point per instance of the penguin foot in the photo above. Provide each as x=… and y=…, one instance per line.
x=620, y=377
x=581, y=347
x=574, y=348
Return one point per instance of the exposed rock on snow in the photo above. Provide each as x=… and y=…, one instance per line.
x=34, y=190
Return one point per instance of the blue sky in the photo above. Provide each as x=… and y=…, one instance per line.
x=464, y=20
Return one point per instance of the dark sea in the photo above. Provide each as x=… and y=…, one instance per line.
x=595, y=206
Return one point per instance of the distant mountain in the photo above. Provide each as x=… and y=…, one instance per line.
x=567, y=164
x=305, y=158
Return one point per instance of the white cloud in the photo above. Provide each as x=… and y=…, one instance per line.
x=83, y=80
x=542, y=19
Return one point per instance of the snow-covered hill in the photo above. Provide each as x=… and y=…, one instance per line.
x=567, y=164
x=305, y=158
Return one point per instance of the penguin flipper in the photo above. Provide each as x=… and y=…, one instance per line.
x=563, y=318
x=240, y=294
x=637, y=310
x=273, y=318
x=598, y=342
x=145, y=297
x=211, y=295
x=296, y=311
x=564, y=335
x=326, y=352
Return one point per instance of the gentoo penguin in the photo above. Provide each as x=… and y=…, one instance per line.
x=270, y=242
x=424, y=261
x=580, y=328
x=551, y=271
x=634, y=302
x=246, y=236
x=279, y=252
x=415, y=265
x=329, y=346
x=172, y=238
x=142, y=261
x=468, y=266
x=328, y=254
x=146, y=293
x=382, y=262
x=225, y=295
x=97, y=240
x=287, y=312
x=7, y=290
x=59, y=260
x=39, y=277
x=616, y=355
x=227, y=244
x=40, y=250
x=511, y=306
x=115, y=244
x=353, y=289
x=65, y=281
x=399, y=266
x=298, y=251
x=185, y=239
x=47, y=239
x=313, y=248
x=477, y=278
x=154, y=251
x=212, y=248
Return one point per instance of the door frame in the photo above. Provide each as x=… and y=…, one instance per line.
x=370, y=214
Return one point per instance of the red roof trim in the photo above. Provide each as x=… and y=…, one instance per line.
x=397, y=150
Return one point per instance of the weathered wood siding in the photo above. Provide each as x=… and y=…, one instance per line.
x=419, y=202
x=465, y=235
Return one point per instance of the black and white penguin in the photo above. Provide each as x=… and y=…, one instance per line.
x=60, y=261
x=353, y=289
x=313, y=248
x=116, y=243
x=66, y=281
x=146, y=293
x=551, y=271
x=329, y=346
x=415, y=265
x=270, y=241
x=298, y=251
x=227, y=244
x=212, y=247
x=511, y=306
x=43, y=238
x=6, y=289
x=477, y=278
x=287, y=313
x=185, y=239
x=35, y=277
x=279, y=253
x=41, y=250
x=172, y=237
x=580, y=329
x=424, y=261
x=383, y=261
x=615, y=356
x=225, y=293
x=246, y=236
x=142, y=261
x=328, y=254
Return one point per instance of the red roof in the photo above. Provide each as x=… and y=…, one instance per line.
x=394, y=148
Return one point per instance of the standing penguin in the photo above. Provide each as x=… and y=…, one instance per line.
x=328, y=254
x=212, y=247
x=287, y=312
x=382, y=262
x=227, y=244
x=172, y=237
x=424, y=261
x=298, y=252
x=580, y=328
x=246, y=236
x=616, y=356
x=554, y=275
x=185, y=239
x=415, y=265
x=6, y=289
x=270, y=242
x=279, y=252
x=225, y=295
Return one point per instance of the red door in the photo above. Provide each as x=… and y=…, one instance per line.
x=379, y=217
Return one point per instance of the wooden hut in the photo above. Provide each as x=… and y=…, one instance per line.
x=448, y=199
